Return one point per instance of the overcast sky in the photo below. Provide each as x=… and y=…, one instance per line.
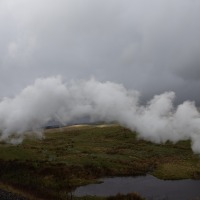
x=148, y=45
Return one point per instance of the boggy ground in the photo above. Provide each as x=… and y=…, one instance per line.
x=72, y=156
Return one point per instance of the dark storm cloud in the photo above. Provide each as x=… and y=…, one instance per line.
x=151, y=46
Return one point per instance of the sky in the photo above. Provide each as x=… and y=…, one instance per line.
x=151, y=46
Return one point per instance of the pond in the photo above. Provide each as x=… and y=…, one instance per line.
x=147, y=186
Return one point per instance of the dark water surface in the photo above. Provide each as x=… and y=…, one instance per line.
x=147, y=186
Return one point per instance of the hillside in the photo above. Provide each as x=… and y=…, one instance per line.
x=76, y=155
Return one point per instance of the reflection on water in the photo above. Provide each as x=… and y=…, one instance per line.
x=147, y=186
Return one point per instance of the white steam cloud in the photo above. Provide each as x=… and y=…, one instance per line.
x=52, y=99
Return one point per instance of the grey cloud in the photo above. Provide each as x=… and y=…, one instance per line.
x=157, y=121
x=151, y=46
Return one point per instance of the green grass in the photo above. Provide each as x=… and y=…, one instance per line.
x=78, y=155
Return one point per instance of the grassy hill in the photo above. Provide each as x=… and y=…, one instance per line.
x=76, y=155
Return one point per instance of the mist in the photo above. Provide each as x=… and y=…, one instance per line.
x=54, y=99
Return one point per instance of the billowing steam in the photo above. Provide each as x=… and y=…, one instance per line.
x=52, y=99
